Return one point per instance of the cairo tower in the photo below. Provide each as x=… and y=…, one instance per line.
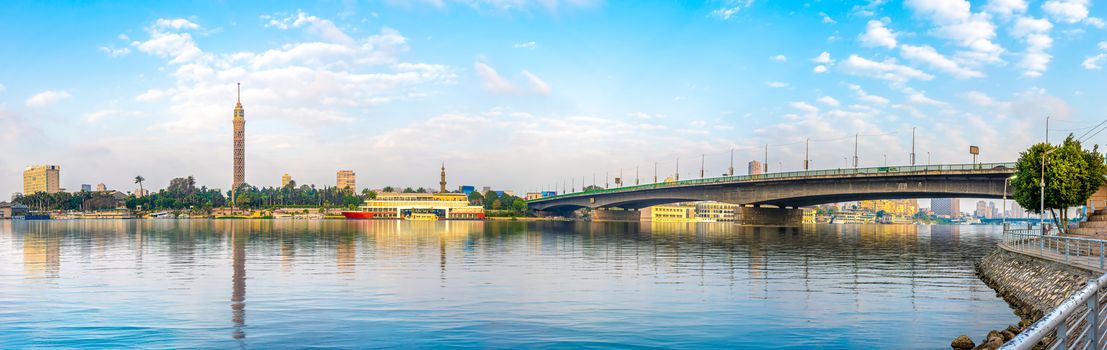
x=239, y=142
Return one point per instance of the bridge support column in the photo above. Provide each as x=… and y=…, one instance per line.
x=768, y=216
x=564, y=213
x=600, y=214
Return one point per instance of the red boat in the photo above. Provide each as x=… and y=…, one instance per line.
x=362, y=214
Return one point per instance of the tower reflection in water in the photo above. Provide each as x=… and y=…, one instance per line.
x=238, y=281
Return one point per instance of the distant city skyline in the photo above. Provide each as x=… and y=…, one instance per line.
x=521, y=95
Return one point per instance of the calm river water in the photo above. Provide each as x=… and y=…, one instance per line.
x=355, y=284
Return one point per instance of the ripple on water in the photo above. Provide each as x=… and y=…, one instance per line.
x=265, y=284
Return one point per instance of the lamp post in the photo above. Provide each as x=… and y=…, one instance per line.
x=912, y=146
x=807, y=154
x=856, y=137
x=1041, y=192
x=730, y=171
x=766, y=165
x=1005, y=198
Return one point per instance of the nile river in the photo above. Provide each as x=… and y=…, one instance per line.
x=355, y=284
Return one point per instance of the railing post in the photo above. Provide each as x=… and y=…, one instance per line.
x=1093, y=325
x=1062, y=337
x=1100, y=255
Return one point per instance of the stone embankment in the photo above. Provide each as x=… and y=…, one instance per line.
x=1031, y=286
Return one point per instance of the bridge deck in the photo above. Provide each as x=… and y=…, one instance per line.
x=920, y=170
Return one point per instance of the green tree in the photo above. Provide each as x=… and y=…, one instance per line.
x=138, y=180
x=489, y=198
x=475, y=198
x=1071, y=174
x=520, y=206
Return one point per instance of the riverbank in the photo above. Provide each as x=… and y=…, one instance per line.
x=1030, y=286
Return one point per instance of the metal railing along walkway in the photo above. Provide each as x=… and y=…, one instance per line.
x=1081, y=252
x=1078, y=322
x=886, y=170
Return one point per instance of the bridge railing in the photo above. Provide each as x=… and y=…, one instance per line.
x=1078, y=322
x=797, y=174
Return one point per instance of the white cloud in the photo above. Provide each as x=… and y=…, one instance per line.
x=115, y=52
x=865, y=96
x=823, y=58
x=868, y=10
x=776, y=84
x=530, y=45
x=325, y=29
x=178, y=46
x=930, y=57
x=493, y=82
x=780, y=58
x=150, y=95
x=1095, y=22
x=1006, y=8
x=805, y=107
x=829, y=101
x=955, y=21
x=1029, y=25
x=819, y=69
x=97, y=116
x=877, y=35
x=979, y=98
x=1094, y=62
x=537, y=83
x=886, y=70
x=827, y=19
x=920, y=98
x=2, y=88
x=1103, y=45
x=312, y=84
x=731, y=8
x=1033, y=31
x=47, y=98
x=176, y=24
x=1035, y=61
x=1067, y=11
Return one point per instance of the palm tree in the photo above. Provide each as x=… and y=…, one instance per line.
x=138, y=180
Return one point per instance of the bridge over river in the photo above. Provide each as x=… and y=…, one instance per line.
x=790, y=190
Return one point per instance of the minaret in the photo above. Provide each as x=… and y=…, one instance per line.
x=239, y=142
x=442, y=182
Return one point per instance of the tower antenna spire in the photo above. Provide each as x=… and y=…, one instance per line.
x=239, y=94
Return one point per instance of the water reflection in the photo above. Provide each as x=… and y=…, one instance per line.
x=491, y=284
x=238, y=281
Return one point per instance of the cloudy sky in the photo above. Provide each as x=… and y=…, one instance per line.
x=520, y=95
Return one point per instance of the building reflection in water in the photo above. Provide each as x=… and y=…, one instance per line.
x=41, y=255
x=238, y=281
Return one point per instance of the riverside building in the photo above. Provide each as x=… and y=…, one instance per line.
x=418, y=206
x=41, y=178
x=346, y=179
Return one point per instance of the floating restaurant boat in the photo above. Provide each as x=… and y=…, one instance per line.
x=417, y=206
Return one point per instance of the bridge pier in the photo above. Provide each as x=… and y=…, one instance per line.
x=601, y=214
x=565, y=213
x=768, y=216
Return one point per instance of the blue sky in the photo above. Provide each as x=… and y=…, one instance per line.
x=522, y=94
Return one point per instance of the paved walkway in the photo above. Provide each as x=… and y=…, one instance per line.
x=1087, y=260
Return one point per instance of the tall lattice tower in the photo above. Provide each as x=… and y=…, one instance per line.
x=239, y=142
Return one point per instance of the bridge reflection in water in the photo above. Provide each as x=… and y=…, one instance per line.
x=504, y=284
